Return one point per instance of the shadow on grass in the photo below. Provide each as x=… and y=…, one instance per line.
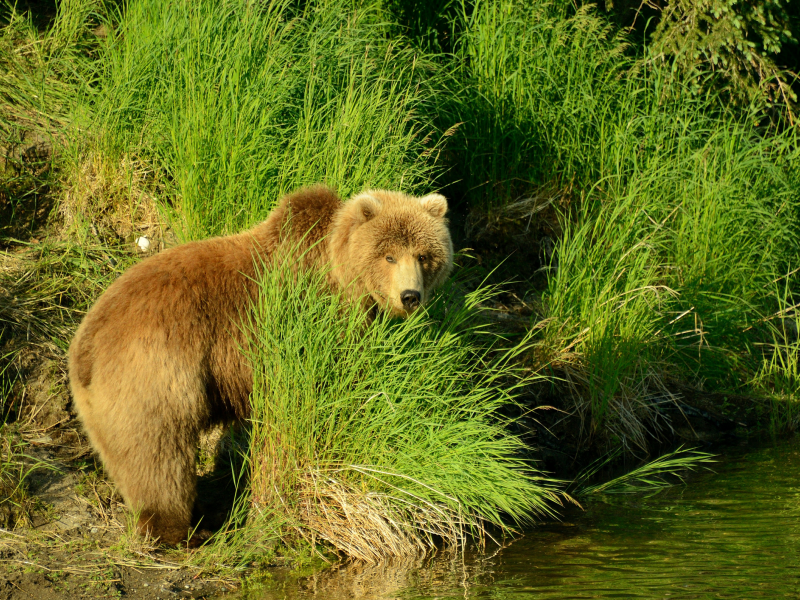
x=216, y=497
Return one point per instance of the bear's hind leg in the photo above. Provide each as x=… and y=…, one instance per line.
x=150, y=456
x=165, y=509
x=163, y=491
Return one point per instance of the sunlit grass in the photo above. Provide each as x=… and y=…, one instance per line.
x=384, y=438
x=240, y=103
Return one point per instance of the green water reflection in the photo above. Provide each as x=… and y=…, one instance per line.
x=734, y=533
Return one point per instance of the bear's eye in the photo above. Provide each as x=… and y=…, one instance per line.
x=390, y=259
x=422, y=258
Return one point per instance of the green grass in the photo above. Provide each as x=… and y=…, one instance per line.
x=237, y=104
x=675, y=226
x=669, y=273
x=534, y=87
x=777, y=379
x=651, y=477
x=381, y=438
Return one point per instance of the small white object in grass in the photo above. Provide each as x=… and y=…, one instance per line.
x=143, y=243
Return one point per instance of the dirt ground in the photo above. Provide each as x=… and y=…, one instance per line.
x=71, y=536
x=43, y=583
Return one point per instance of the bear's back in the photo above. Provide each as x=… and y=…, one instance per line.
x=190, y=299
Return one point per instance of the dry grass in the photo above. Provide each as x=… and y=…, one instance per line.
x=29, y=299
x=532, y=210
x=373, y=527
x=45, y=288
x=633, y=415
x=633, y=412
x=113, y=196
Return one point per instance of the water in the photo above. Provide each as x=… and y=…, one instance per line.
x=734, y=533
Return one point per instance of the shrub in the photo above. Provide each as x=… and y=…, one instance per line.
x=738, y=41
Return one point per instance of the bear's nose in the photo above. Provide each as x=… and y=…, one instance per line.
x=410, y=299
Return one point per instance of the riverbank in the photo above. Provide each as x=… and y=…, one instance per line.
x=642, y=229
x=729, y=531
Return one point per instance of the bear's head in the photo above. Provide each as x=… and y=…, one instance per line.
x=391, y=248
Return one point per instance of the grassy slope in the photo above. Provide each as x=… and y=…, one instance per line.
x=675, y=218
x=238, y=106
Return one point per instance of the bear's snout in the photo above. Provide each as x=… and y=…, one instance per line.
x=410, y=299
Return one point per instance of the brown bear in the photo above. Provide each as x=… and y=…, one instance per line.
x=157, y=359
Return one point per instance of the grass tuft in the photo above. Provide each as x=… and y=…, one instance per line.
x=384, y=438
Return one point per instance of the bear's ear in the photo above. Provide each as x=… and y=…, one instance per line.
x=435, y=204
x=365, y=207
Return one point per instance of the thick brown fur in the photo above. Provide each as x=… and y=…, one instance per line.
x=157, y=360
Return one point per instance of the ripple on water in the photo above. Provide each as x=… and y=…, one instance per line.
x=730, y=534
